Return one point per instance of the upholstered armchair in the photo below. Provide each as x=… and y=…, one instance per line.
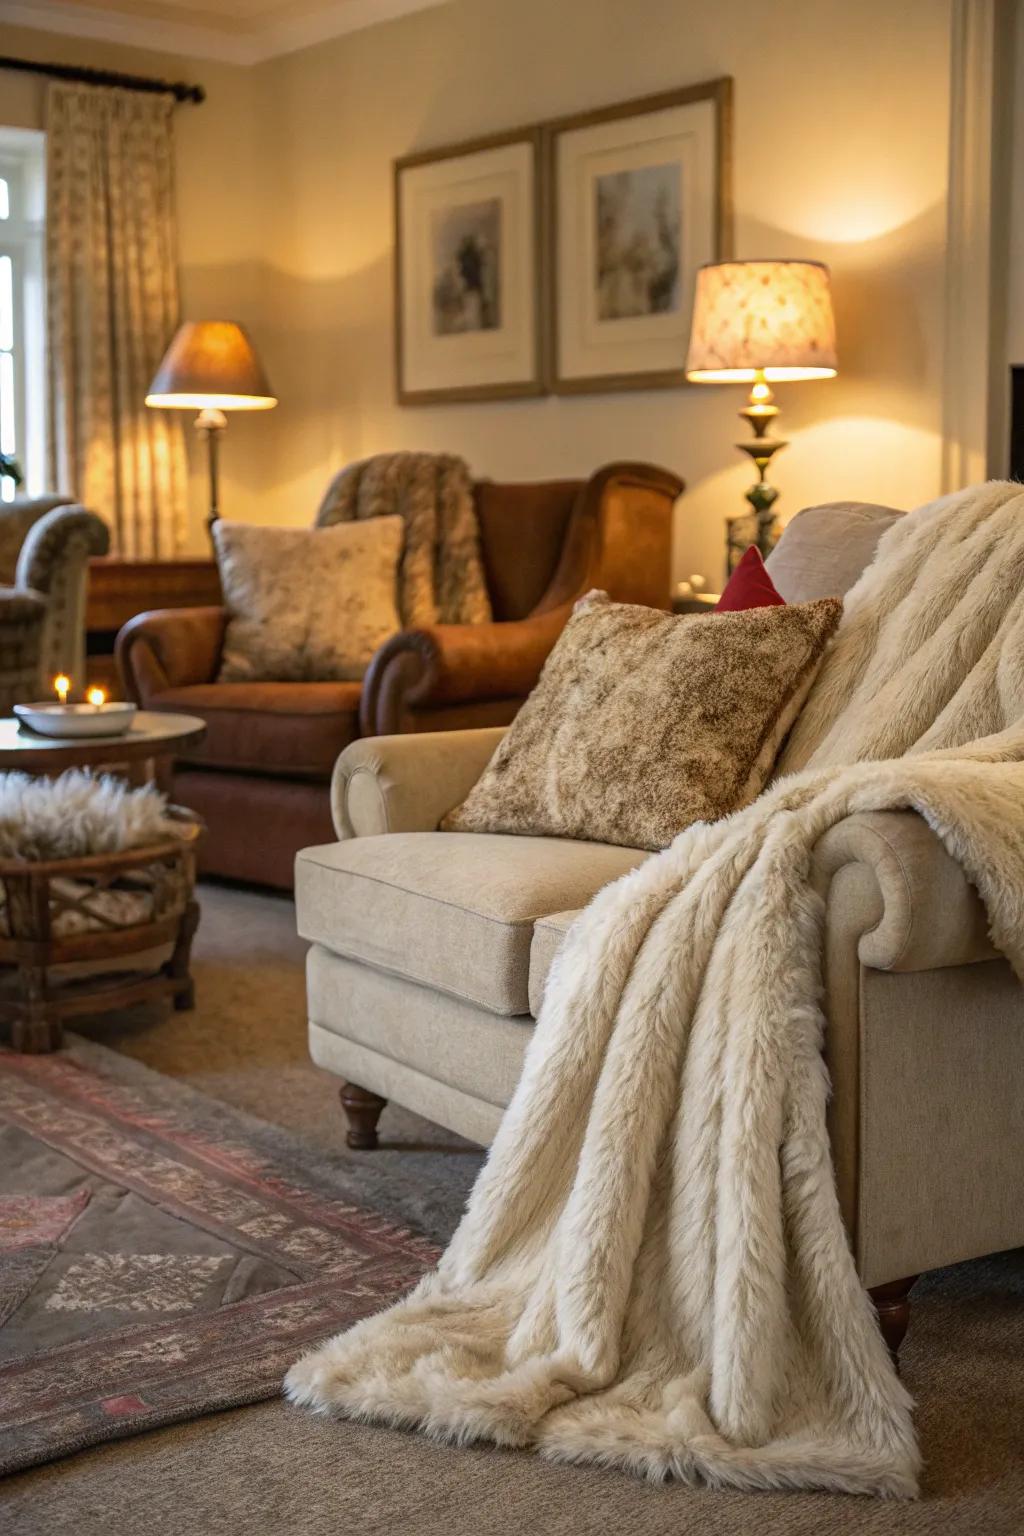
x=261, y=777
x=431, y=952
x=45, y=547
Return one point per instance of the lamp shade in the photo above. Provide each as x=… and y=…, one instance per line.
x=211, y=364
x=762, y=317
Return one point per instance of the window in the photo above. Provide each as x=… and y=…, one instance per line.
x=22, y=307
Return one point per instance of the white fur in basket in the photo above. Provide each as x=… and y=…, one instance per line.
x=76, y=815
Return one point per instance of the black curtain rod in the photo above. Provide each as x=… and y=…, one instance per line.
x=176, y=88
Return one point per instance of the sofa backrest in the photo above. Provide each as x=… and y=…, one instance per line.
x=823, y=550
x=16, y=518
x=522, y=531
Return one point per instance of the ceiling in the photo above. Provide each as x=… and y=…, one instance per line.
x=236, y=31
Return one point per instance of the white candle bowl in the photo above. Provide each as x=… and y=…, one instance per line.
x=68, y=721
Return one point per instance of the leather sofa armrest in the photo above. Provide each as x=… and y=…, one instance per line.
x=455, y=664
x=407, y=783
x=917, y=911
x=169, y=648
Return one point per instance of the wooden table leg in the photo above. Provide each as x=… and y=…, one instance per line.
x=177, y=967
x=34, y=1028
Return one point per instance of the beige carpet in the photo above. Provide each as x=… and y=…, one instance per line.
x=270, y=1469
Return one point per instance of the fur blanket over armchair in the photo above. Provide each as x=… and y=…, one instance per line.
x=653, y=1271
x=441, y=575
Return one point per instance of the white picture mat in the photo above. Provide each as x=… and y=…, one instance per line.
x=508, y=353
x=587, y=345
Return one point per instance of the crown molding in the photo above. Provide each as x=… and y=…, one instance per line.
x=219, y=41
x=334, y=20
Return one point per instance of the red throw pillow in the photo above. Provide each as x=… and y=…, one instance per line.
x=749, y=586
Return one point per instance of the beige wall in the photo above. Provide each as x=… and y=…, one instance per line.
x=841, y=153
x=841, y=129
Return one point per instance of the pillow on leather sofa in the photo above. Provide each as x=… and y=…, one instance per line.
x=307, y=604
x=643, y=722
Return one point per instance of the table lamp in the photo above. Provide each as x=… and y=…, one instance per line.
x=761, y=323
x=211, y=367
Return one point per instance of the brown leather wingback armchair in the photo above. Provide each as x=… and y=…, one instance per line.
x=261, y=777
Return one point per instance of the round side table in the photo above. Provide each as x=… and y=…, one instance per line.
x=144, y=751
x=37, y=899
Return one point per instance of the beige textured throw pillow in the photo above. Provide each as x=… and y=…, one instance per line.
x=642, y=723
x=307, y=604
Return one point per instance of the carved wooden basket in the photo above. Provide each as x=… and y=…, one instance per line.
x=86, y=936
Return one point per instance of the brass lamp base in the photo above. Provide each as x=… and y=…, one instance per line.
x=759, y=526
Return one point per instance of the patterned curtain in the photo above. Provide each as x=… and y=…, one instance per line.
x=112, y=306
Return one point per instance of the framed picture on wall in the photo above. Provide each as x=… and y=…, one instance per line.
x=468, y=271
x=640, y=198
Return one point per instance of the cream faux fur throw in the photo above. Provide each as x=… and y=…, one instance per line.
x=653, y=1272
x=441, y=574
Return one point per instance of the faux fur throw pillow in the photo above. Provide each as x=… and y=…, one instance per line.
x=307, y=604
x=643, y=723
x=76, y=815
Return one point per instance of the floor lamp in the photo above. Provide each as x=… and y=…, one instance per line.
x=211, y=367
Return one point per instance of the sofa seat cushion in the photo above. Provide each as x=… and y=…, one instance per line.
x=277, y=728
x=449, y=910
x=548, y=935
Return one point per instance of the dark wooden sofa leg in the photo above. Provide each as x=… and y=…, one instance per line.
x=892, y=1303
x=362, y=1110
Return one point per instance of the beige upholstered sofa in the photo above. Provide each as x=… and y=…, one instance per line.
x=430, y=952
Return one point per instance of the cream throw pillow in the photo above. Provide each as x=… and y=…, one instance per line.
x=642, y=723
x=307, y=604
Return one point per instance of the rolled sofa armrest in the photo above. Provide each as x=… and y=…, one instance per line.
x=21, y=609
x=908, y=900
x=64, y=535
x=169, y=648
x=54, y=560
x=22, y=623
x=455, y=664
x=407, y=783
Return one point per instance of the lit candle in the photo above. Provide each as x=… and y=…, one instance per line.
x=62, y=687
x=97, y=698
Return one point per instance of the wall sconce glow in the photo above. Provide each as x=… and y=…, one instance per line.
x=858, y=220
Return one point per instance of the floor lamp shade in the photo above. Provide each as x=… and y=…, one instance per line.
x=211, y=365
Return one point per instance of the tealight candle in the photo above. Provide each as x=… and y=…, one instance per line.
x=62, y=687
x=96, y=697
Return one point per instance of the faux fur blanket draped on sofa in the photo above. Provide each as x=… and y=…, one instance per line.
x=441, y=576
x=653, y=1271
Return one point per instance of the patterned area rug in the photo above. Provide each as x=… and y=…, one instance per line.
x=158, y=1261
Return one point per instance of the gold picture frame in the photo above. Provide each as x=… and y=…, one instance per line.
x=469, y=277
x=669, y=178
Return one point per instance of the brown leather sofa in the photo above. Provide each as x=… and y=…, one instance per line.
x=261, y=777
